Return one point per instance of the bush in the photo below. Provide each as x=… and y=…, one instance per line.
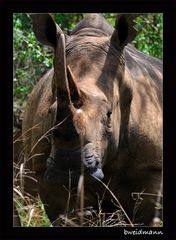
x=31, y=59
x=150, y=34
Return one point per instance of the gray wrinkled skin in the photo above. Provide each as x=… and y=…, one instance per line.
x=105, y=92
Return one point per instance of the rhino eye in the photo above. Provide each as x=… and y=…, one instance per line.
x=109, y=112
x=77, y=103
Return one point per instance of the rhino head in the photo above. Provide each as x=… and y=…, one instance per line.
x=92, y=95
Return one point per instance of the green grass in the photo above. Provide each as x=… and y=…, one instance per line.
x=31, y=211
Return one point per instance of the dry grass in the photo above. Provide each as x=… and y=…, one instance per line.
x=32, y=213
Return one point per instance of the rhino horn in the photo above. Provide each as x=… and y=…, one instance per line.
x=124, y=30
x=65, y=83
x=60, y=71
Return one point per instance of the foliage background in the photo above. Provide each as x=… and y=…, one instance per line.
x=31, y=59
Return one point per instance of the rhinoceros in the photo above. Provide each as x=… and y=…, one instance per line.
x=93, y=123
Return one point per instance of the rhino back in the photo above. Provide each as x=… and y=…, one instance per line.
x=93, y=21
x=145, y=126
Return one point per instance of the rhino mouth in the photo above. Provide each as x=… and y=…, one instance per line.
x=65, y=167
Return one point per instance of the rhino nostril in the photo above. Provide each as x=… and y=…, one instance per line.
x=89, y=156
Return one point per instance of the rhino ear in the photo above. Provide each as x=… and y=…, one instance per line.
x=124, y=30
x=45, y=29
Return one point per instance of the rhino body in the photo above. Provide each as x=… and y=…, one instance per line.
x=99, y=110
